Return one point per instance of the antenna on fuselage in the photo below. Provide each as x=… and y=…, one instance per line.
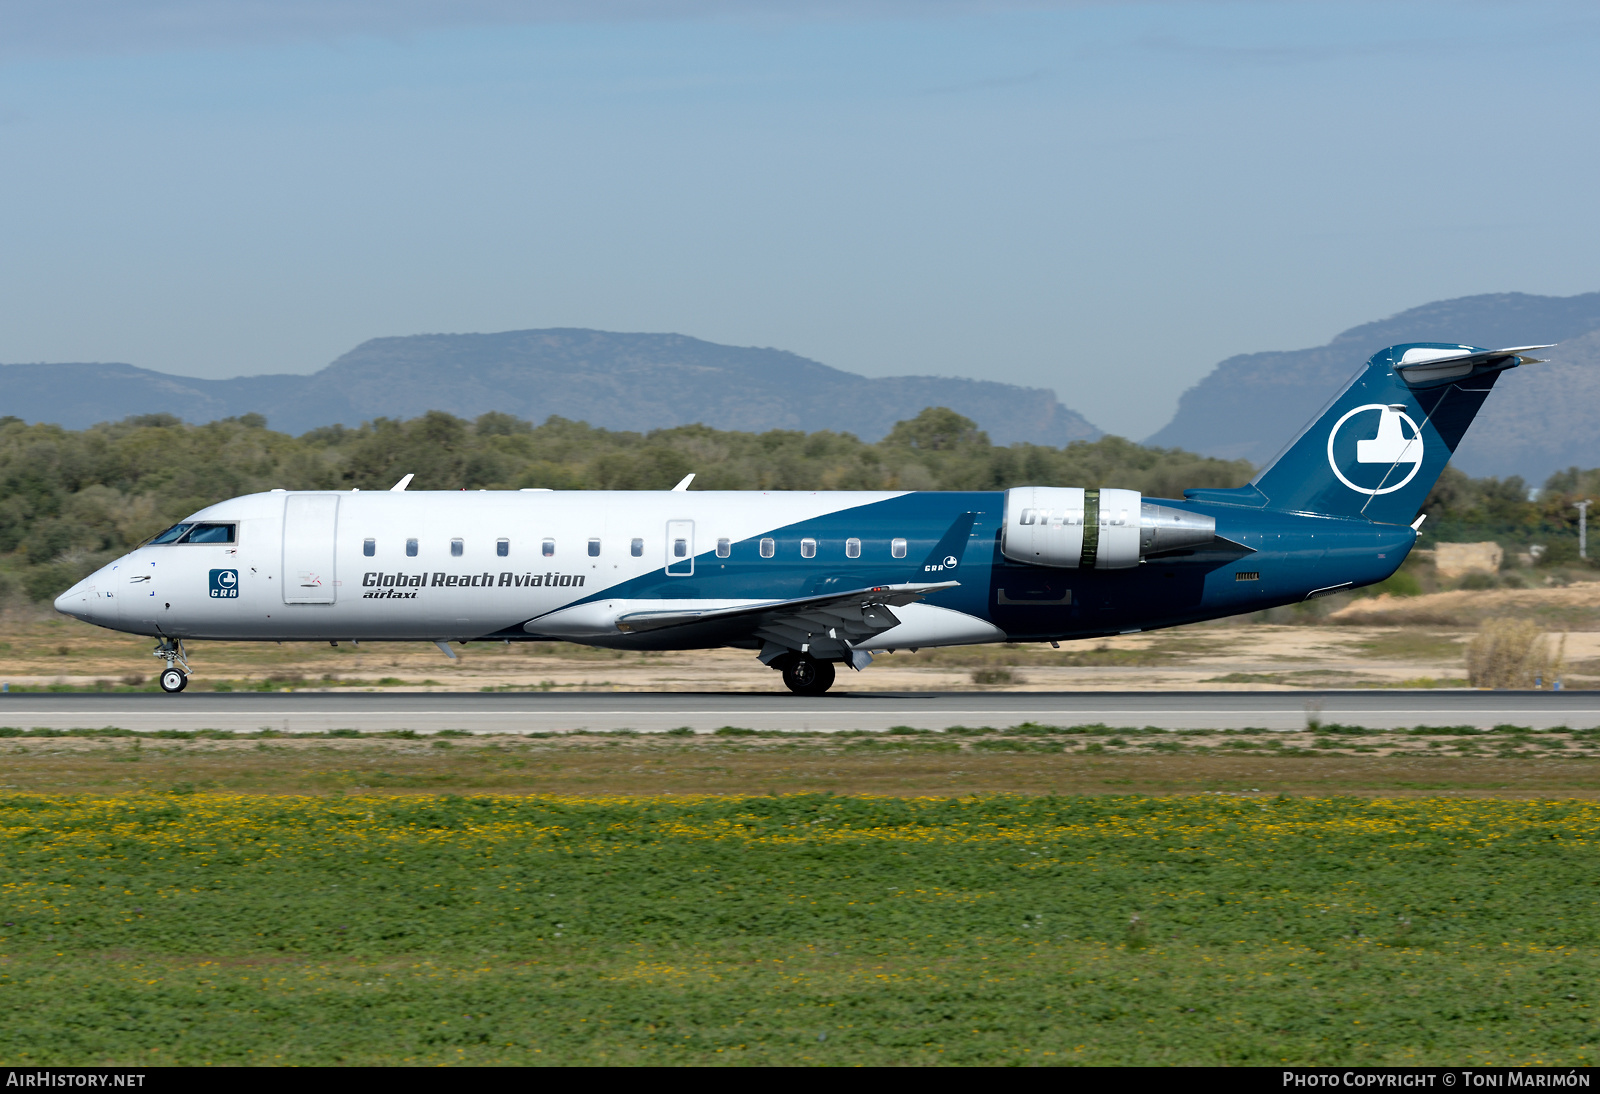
x=399, y=487
x=684, y=485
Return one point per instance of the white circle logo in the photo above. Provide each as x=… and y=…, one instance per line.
x=949, y=562
x=1397, y=441
x=227, y=579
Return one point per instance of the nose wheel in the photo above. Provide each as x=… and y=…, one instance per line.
x=175, y=677
x=807, y=676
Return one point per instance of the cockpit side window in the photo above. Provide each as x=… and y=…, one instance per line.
x=210, y=533
x=171, y=534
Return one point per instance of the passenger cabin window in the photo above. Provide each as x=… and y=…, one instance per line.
x=897, y=548
x=456, y=547
x=808, y=548
x=548, y=548
x=502, y=547
x=210, y=533
x=724, y=548
x=636, y=548
x=680, y=548
x=411, y=548
x=171, y=534
x=852, y=548
x=594, y=548
x=768, y=548
x=369, y=547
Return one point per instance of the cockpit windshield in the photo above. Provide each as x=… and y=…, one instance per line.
x=210, y=533
x=198, y=533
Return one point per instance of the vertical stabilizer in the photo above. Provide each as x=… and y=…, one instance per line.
x=1380, y=445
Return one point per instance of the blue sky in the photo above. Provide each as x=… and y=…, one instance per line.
x=1104, y=199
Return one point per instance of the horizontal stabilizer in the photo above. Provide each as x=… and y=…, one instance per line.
x=1427, y=365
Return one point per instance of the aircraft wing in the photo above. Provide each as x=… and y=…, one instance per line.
x=846, y=617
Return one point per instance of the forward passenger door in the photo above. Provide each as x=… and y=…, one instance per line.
x=310, y=523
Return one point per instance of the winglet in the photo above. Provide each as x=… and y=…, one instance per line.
x=684, y=485
x=399, y=487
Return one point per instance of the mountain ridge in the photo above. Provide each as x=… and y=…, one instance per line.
x=1250, y=405
x=631, y=381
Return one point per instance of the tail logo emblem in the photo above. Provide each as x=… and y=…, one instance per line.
x=1387, y=459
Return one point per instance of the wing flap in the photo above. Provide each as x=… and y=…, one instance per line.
x=867, y=609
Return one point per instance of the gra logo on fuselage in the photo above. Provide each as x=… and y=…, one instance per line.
x=224, y=585
x=1375, y=449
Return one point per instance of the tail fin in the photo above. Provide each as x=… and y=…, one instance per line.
x=1377, y=449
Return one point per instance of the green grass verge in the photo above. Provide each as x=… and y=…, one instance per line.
x=797, y=929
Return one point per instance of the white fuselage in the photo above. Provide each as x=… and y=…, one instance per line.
x=453, y=566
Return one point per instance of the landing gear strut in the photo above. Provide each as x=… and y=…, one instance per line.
x=804, y=675
x=173, y=679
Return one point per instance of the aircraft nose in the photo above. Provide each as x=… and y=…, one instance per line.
x=87, y=600
x=73, y=602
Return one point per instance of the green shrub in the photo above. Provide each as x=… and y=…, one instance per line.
x=46, y=582
x=1559, y=551
x=1400, y=583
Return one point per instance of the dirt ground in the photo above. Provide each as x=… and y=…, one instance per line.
x=1558, y=607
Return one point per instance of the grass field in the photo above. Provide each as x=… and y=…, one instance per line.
x=192, y=928
x=1507, y=761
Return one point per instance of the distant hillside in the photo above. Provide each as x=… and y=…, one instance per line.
x=1539, y=420
x=614, y=381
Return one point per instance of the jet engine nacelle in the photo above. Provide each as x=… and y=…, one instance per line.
x=1066, y=527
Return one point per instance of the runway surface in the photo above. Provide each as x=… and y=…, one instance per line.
x=523, y=712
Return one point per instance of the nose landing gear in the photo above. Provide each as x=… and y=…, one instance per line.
x=173, y=679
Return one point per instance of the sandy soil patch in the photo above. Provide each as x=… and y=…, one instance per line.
x=1573, y=607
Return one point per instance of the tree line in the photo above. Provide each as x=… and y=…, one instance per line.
x=1460, y=508
x=72, y=499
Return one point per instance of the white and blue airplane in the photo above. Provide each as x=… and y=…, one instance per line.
x=809, y=580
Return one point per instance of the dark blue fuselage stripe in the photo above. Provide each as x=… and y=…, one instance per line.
x=1293, y=554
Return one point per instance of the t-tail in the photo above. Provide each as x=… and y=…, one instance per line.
x=1377, y=449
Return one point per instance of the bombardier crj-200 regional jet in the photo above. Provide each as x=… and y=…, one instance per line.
x=810, y=580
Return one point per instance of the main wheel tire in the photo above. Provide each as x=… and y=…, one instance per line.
x=808, y=676
x=173, y=681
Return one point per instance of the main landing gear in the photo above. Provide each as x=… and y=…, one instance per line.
x=805, y=675
x=173, y=678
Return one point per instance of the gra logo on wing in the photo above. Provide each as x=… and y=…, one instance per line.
x=1375, y=449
